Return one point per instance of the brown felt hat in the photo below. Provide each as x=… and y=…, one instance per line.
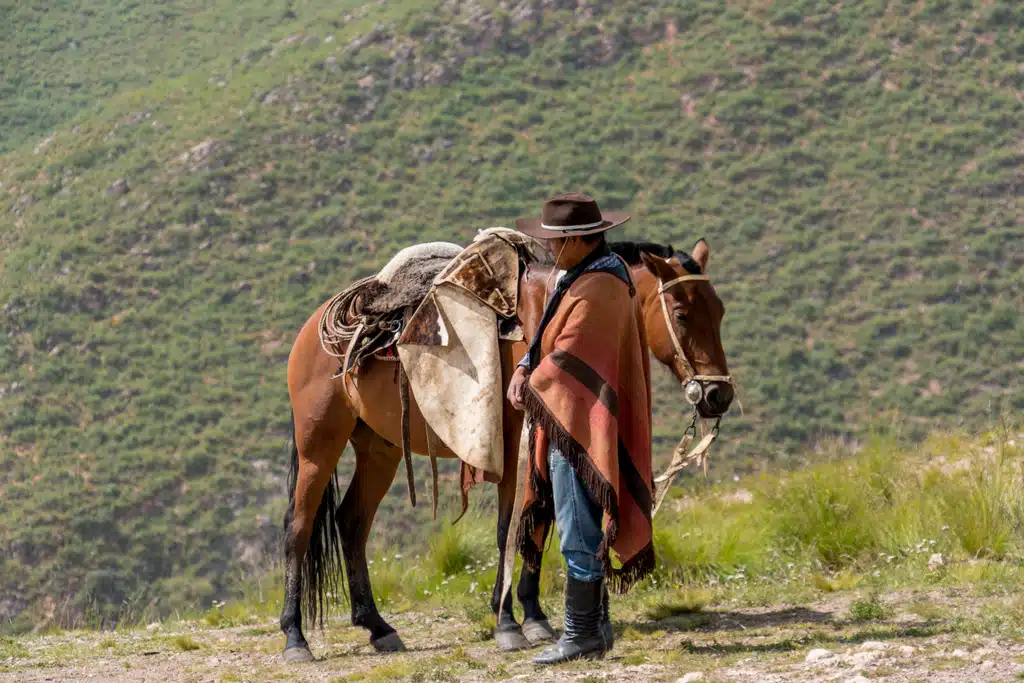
x=568, y=215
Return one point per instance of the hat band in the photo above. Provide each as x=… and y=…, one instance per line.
x=571, y=228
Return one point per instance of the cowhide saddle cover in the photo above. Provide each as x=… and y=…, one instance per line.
x=488, y=270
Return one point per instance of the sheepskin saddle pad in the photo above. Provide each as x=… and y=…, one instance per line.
x=407, y=277
x=368, y=316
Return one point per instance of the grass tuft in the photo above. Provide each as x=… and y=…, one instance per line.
x=451, y=551
x=684, y=601
x=186, y=644
x=11, y=648
x=831, y=583
x=868, y=609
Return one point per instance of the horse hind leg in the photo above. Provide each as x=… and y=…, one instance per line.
x=312, y=542
x=376, y=464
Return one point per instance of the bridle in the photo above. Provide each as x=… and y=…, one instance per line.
x=694, y=390
x=693, y=382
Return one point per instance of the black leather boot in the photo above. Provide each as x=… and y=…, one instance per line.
x=582, y=636
x=606, y=621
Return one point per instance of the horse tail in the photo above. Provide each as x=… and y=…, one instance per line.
x=322, y=567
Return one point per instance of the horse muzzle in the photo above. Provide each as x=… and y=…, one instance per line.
x=711, y=399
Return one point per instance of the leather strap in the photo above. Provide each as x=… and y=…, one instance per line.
x=403, y=394
x=699, y=453
x=686, y=368
x=683, y=278
x=680, y=459
x=433, y=444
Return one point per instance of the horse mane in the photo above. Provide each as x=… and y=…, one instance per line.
x=630, y=251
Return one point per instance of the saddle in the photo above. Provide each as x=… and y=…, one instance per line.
x=440, y=310
x=367, y=318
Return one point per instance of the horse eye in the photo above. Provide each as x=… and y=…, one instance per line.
x=680, y=317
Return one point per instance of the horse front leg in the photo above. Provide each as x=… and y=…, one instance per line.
x=508, y=633
x=536, y=626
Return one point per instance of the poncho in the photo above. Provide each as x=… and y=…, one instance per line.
x=590, y=393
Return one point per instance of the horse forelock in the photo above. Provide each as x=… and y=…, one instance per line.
x=688, y=262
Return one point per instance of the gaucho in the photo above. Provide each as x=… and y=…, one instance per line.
x=585, y=384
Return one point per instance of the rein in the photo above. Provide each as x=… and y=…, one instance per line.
x=693, y=391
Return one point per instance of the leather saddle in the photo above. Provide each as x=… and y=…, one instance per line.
x=367, y=318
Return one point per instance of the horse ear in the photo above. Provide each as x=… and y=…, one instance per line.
x=700, y=254
x=658, y=267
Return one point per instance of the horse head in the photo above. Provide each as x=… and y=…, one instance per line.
x=683, y=318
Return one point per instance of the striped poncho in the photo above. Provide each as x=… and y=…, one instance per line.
x=590, y=393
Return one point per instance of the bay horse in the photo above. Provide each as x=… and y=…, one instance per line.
x=322, y=536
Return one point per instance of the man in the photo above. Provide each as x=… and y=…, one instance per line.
x=585, y=384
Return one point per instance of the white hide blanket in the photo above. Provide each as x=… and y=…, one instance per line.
x=455, y=372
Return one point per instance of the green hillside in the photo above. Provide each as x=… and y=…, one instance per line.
x=63, y=58
x=855, y=167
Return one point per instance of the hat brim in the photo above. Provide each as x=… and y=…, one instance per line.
x=534, y=227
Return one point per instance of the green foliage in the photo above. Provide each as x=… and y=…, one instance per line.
x=867, y=609
x=853, y=168
x=451, y=551
x=884, y=508
x=66, y=58
x=830, y=512
x=11, y=648
x=224, y=616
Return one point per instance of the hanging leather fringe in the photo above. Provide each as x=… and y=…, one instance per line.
x=403, y=394
x=432, y=451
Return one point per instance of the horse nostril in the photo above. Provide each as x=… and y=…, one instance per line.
x=718, y=397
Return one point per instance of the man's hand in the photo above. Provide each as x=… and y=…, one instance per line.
x=517, y=387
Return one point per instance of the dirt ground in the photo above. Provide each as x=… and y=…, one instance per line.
x=922, y=637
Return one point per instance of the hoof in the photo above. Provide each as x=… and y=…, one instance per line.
x=539, y=631
x=298, y=655
x=389, y=643
x=511, y=640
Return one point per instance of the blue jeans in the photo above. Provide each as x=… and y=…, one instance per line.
x=579, y=519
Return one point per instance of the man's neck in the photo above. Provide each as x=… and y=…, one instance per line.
x=581, y=256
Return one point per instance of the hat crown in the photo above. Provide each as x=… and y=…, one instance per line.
x=569, y=210
x=570, y=214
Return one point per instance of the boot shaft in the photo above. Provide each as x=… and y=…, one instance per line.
x=583, y=607
x=583, y=635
